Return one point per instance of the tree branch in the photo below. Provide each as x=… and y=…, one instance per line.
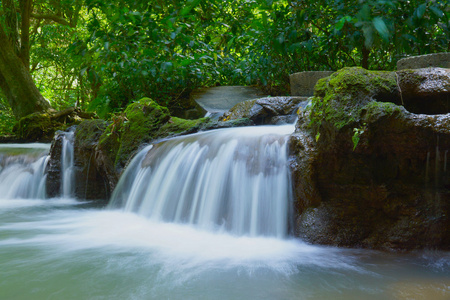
x=54, y=18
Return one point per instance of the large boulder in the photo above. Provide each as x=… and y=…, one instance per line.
x=425, y=91
x=268, y=110
x=41, y=127
x=367, y=172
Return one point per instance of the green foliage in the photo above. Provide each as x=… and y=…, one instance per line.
x=101, y=56
x=357, y=132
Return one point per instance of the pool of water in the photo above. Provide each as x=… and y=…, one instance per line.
x=67, y=249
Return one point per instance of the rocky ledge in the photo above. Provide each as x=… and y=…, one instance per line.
x=370, y=168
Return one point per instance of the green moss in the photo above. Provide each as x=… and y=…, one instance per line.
x=178, y=125
x=37, y=127
x=375, y=110
x=140, y=123
x=88, y=132
x=339, y=98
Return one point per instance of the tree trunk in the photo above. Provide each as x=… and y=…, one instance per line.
x=25, y=8
x=365, y=58
x=17, y=83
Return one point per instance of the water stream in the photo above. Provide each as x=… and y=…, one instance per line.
x=173, y=232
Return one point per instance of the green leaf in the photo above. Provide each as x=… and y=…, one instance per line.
x=187, y=9
x=381, y=27
x=438, y=13
x=341, y=22
x=420, y=11
x=185, y=62
x=82, y=71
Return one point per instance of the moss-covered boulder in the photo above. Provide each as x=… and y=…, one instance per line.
x=140, y=123
x=367, y=172
x=41, y=127
x=37, y=127
x=339, y=98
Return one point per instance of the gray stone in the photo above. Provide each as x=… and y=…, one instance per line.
x=425, y=90
x=439, y=60
x=268, y=110
x=302, y=83
x=220, y=99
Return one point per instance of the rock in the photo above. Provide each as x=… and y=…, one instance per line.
x=269, y=110
x=302, y=83
x=425, y=90
x=137, y=125
x=37, y=127
x=41, y=127
x=53, y=182
x=95, y=175
x=102, y=149
x=369, y=173
x=439, y=60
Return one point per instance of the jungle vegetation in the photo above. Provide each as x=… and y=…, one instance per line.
x=100, y=56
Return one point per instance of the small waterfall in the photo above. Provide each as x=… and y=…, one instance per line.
x=67, y=174
x=229, y=179
x=22, y=171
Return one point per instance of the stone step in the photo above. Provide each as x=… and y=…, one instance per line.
x=302, y=83
x=437, y=60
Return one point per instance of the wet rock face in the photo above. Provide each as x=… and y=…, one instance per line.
x=95, y=175
x=267, y=111
x=53, y=183
x=378, y=176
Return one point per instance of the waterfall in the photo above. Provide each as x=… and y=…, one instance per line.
x=22, y=171
x=234, y=179
x=67, y=174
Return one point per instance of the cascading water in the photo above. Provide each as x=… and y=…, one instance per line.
x=22, y=171
x=233, y=179
x=67, y=174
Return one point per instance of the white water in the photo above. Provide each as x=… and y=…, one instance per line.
x=22, y=171
x=234, y=179
x=63, y=249
x=67, y=249
x=67, y=174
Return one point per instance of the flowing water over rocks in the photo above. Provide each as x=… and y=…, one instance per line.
x=62, y=248
x=235, y=178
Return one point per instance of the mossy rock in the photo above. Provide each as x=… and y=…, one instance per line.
x=88, y=132
x=142, y=122
x=339, y=98
x=177, y=125
x=38, y=127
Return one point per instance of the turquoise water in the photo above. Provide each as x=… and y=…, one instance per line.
x=67, y=249
x=71, y=249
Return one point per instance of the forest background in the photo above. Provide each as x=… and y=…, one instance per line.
x=100, y=56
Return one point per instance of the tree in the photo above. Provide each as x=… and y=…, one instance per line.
x=16, y=19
